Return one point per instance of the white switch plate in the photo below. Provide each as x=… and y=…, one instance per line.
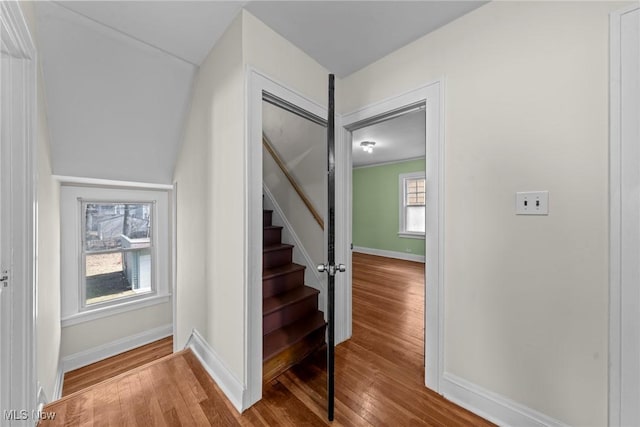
x=532, y=203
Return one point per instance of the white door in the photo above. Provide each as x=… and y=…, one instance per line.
x=5, y=228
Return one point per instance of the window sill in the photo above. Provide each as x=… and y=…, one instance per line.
x=408, y=235
x=98, y=313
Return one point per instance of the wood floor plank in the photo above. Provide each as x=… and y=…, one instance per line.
x=86, y=376
x=157, y=419
x=108, y=412
x=379, y=375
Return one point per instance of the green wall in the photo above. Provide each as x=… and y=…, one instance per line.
x=376, y=208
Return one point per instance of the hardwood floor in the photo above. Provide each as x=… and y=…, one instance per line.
x=93, y=374
x=379, y=374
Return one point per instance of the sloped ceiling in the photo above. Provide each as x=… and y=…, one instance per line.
x=115, y=105
x=185, y=29
x=118, y=74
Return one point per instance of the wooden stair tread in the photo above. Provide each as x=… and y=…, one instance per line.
x=267, y=210
x=277, y=247
x=278, y=340
x=272, y=227
x=276, y=302
x=282, y=270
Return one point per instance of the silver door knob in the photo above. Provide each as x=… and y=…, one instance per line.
x=341, y=268
x=322, y=268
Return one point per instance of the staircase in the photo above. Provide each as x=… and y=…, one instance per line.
x=292, y=325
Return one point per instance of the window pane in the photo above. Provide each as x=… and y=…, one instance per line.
x=415, y=192
x=415, y=218
x=117, y=275
x=116, y=225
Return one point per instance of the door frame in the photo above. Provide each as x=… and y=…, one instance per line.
x=257, y=82
x=432, y=95
x=619, y=341
x=23, y=275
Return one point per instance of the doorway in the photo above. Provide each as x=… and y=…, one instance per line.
x=294, y=229
x=388, y=223
x=429, y=96
x=259, y=85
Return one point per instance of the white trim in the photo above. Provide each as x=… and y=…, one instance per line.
x=71, y=251
x=618, y=399
x=410, y=235
x=389, y=254
x=402, y=207
x=343, y=243
x=42, y=398
x=492, y=406
x=173, y=286
x=79, y=181
x=101, y=352
x=432, y=95
x=59, y=383
x=23, y=201
x=300, y=255
x=257, y=82
x=215, y=367
x=393, y=162
x=111, y=310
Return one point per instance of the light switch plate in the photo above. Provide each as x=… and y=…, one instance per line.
x=532, y=203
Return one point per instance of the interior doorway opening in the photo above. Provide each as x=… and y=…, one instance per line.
x=427, y=98
x=388, y=221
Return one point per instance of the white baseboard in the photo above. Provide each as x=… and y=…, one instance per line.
x=92, y=355
x=492, y=406
x=42, y=398
x=57, y=386
x=389, y=254
x=230, y=385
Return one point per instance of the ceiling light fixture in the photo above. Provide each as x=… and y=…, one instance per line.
x=367, y=146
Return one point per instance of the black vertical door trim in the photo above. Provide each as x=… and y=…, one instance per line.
x=331, y=248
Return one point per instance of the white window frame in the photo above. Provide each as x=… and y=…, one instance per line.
x=74, y=308
x=402, y=214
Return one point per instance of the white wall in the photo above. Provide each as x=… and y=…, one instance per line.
x=226, y=202
x=210, y=177
x=267, y=51
x=48, y=256
x=213, y=300
x=99, y=332
x=525, y=109
x=191, y=216
x=48, y=261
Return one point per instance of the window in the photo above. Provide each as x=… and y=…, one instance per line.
x=117, y=250
x=114, y=251
x=412, y=204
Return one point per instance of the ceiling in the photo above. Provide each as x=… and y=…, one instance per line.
x=400, y=138
x=185, y=29
x=345, y=36
x=118, y=74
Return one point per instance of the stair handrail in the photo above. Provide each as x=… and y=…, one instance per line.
x=283, y=167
